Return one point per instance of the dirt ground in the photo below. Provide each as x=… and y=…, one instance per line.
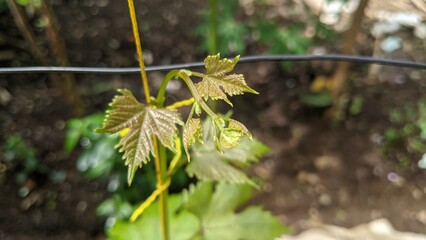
x=317, y=172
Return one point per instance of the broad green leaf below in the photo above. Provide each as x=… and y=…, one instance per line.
x=144, y=122
x=210, y=166
x=215, y=209
x=183, y=224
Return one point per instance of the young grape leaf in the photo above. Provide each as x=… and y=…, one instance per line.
x=215, y=210
x=143, y=122
x=209, y=164
x=231, y=135
x=217, y=82
x=192, y=131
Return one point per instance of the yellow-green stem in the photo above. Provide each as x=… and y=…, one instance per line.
x=161, y=175
x=162, y=91
x=139, y=50
x=195, y=94
x=160, y=160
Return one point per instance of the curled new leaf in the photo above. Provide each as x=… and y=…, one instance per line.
x=143, y=122
x=207, y=163
x=231, y=135
x=192, y=131
x=217, y=82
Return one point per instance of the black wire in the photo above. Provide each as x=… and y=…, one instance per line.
x=247, y=59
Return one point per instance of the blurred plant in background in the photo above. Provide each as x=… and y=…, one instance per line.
x=229, y=33
x=3, y=6
x=21, y=159
x=233, y=34
x=407, y=137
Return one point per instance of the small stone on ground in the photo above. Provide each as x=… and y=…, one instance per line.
x=380, y=229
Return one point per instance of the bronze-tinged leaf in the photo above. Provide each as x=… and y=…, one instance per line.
x=215, y=66
x=231, y=135
x=144, y=122
x=216, y=83
x=229, y=138
x=234, y=124
x=125, y=109
x=192, y=131
x=210, y=89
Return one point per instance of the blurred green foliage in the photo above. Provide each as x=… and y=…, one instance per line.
x=230, y=33
x=23, y=156
x=408, y=132
x=233, y=34
x=35, y=3
x=23, y=159
x=321, y=100
x=3, y=6
x=357, y=104
x=282, y=40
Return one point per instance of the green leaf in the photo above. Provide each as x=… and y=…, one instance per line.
x=183, y=224
x=322, y=99
x=200, y=193
x=356, y=105
x=24, y=2
x=209, y=164
x=98, y=161
x=231, y=135
x=15, y=148
x=71, y=139
x=143, y=122
x=192, y=131
x=254, y=222
x=115, y=207
x=217, y=83
x=216, y=212
x=231, y=35
x=81, y=127
x=248, y=150
x=208, y=201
